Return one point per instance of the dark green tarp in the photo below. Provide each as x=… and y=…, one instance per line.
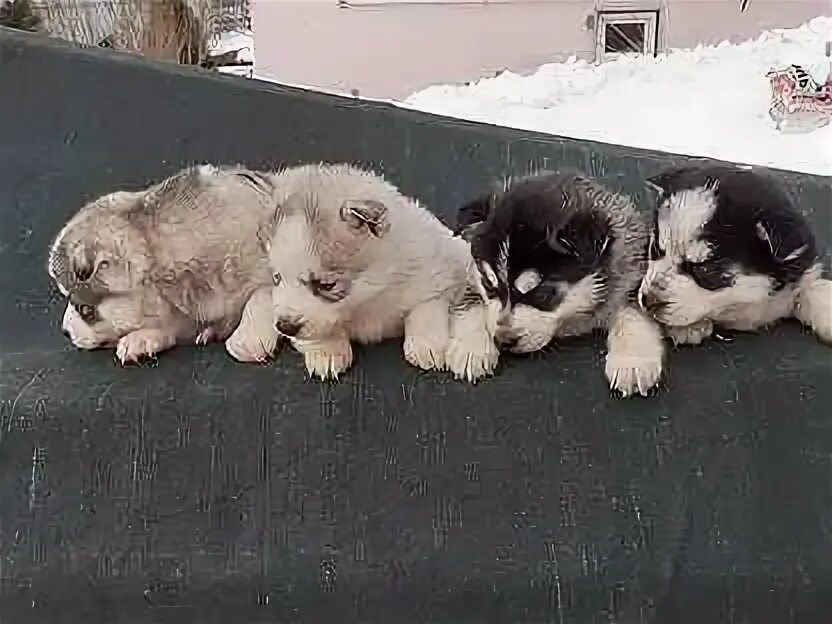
x=202, y=490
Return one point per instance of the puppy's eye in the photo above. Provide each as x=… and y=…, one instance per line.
x=83, y=274
x=86, y=312
x=276, y=279
x=331, y=290
x=324, y=285
x=709, y=275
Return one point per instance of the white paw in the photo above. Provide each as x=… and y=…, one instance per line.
x=635, y=370
x=248, y=346
x=813, y=306
x=471, y=357
x=141, y=343
x=328, y=360
x=425, y=352
x=823, y=329
x=690, y=334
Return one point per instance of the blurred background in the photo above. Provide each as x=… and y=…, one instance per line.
x=746, y=81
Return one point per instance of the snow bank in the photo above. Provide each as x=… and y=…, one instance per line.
x=237, y=40
x=709, y=101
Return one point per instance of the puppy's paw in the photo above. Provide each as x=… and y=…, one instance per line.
x=814, y=305
x=636, y=354
x=245, y=345
x=327, y=359
x=690, y=334
x=425, y=352
x=426, y=335
x=634, y=371
x=142, y=343
x=255, y=338
x=472, y=357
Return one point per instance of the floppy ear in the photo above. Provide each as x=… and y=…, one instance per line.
x=560, y=243
x=659, y=183
x=489, y=278
x=368, y=214
x=475, y=211
x=71, y=266
x=82, y=263
x=781, y=246
x=556, y=235
x=265, y=232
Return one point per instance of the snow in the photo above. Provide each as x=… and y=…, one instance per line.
x=237, y=40
x=710, y=101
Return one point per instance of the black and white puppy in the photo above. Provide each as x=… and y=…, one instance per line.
x=561, y=255
x=730, y=248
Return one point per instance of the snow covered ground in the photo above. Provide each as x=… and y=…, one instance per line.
x=709, y=101
x=237, y=40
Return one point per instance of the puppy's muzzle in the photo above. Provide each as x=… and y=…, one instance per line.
x=289, y=327
x=507, y=343
x=506, y=339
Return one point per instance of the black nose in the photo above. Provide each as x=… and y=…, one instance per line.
x=65, y=333
x=507, y=341
x=287, y=327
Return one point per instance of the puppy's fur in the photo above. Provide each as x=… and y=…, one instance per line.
x=355, y=260
x=176, y=262
x=730, y=248
x=562, y=256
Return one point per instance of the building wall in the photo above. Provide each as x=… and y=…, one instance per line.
x=391, y=49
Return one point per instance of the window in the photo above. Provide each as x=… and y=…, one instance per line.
x=618, y=33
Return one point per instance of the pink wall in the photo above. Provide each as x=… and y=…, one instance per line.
x=393, y=49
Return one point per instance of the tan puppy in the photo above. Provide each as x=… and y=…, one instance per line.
x=176, y=262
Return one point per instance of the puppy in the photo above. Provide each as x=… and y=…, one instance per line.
x=562, y=256
x=730, y=248
x=355, y=260
x=176, y=262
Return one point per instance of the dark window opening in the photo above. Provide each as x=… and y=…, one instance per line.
x=624, y=38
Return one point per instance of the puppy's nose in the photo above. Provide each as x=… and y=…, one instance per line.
x=65, y=332
x=288, y=327
x=507, y=341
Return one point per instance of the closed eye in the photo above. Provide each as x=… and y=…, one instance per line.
x=323, y=285
x=710, y=275
x=328, y=289
x=86, y=312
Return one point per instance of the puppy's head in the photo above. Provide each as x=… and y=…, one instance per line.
x=542, y=248
x=327, y=255
x=93, y=264
x=723, y=240
x=559, y=280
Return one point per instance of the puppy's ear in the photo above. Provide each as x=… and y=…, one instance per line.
x=559, y=242
x=475, y=211
x=82, y=263
x=71, y=265
x=489, y=278
x=659, y=183
x=783, y=241
x=367, y=213
x=265, y=232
